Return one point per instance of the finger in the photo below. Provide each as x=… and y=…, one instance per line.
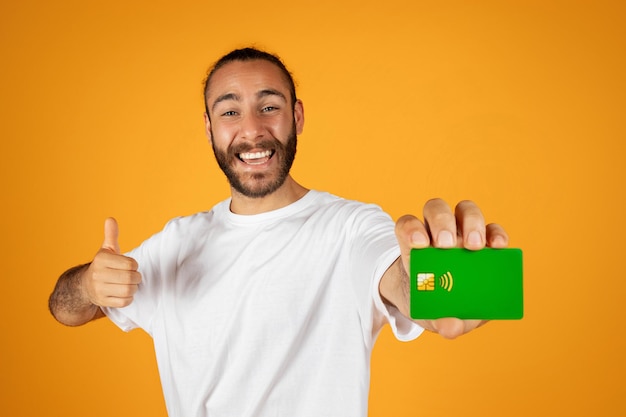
x=116, y=302
x=451, y=328
x=471, y=225
x=111, y=233
x=497, y=236
x=411, y=233
x=411, y=230
x=105, y=283
x=104, y=291
x=441, y=223
x=117, y=276
x=121, y=291
x=106, y=259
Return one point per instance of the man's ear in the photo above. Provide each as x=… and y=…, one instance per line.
x=298, y=116
x=207, y=128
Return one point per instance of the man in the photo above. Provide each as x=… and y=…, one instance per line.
x=269, y=304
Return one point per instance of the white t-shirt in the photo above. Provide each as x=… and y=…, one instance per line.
x=267, y=315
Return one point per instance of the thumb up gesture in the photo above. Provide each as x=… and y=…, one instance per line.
x=111, y=279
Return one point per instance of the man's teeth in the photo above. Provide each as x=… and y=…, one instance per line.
x=255, y=155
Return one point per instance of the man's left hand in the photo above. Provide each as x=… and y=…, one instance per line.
x=444, y=229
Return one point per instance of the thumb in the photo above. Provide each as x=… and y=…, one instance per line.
x=111, y=233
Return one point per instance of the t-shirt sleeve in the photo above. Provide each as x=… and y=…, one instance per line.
x=374, y=250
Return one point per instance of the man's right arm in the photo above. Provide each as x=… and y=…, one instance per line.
x=110, y=280
x=68, y=304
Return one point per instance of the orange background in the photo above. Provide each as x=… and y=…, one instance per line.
x=516, y=105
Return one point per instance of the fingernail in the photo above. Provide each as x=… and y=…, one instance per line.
x=418, y=239
x=445, y=239
x=498, y=242
x=474, y=239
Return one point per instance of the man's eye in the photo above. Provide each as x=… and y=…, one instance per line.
x=230, y=113
x=269, y=108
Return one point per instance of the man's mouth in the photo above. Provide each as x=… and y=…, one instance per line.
x=255, y=158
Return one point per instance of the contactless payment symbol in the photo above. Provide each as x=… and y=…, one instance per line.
x=446, y=281
x=426, y=281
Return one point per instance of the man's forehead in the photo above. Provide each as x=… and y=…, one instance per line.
x=254, y=75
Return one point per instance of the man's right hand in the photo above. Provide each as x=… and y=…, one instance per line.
x=111, y=279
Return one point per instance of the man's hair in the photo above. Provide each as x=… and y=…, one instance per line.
x=249, y=54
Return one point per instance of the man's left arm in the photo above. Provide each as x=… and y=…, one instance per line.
x=442, y=228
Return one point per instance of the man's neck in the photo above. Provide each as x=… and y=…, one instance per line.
x=288, y=193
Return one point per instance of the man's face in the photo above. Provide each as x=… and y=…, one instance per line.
x=253, y=125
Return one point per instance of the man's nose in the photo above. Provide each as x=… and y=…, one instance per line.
x=251, y=126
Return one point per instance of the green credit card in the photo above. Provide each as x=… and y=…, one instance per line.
x=483, y=284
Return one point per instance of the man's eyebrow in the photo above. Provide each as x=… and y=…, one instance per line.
x=270, y=92
x=224, y=97
x=262, y=93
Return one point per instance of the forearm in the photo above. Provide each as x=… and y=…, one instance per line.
x=399, y=290
x=68, y=303
x=395, y=287
x=395, y=290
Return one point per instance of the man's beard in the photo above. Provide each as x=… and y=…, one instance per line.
x=258, y=185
